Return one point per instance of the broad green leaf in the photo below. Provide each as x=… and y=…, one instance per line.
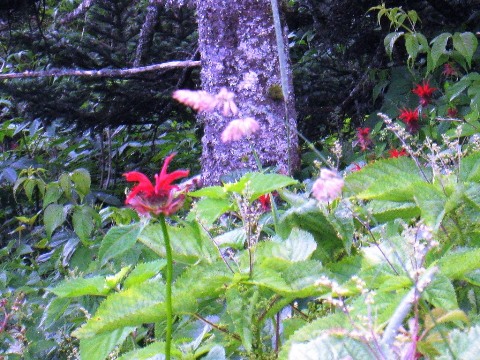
x=463, y=344
x=330, y=347
x=442, y=316
x=441, y=293
x=259, y=184
x=81, y=181
x=457, y=89
x=298, y=246
x=390, y=40
x=143, y=272
x=53, y=192
x=54, y=311
x=235, y=239
x=214, y=192
x=465, y=43
x=96, y=285
x=153, y=351
x=66, y=185
x=83, y=221
x=216, y=353
x=118, y=240
x=384, y=211
x=209, y=209
x=470, y=168
x=439, y=47
x=100, y=346
x=342, y=221
x=190, y=243
x=412, y=45
x=113, y=280
x=53, y=217
x=431, y=202
x=456, y=265
x=241, y=309
x=134, y=306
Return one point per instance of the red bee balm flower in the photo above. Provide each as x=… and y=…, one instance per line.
x=394, y=153
x=410, y=118
x=163, y=198
x=363, y=136
x=425, y=92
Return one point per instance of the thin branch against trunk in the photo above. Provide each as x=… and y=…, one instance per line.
x=103, y=72
x=146, y=33
x=80, y=10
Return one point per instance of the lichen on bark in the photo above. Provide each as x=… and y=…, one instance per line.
x=238, y=51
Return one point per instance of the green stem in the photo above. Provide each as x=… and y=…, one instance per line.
x=168, y=285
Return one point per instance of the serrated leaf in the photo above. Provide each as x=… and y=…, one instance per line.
x=54, y=311
x=455, y=265
x=100, y=346
x=190, y=243
x=259, y=184
x=153, y=351
x=81, y=180
x=384, y=211
x=390, y=40
x=53, y=217
x=214, y=192
x=431, y=202
x=235, y=239
x=96, y=285
x=113, y=280
x=441, y=293
x=118, y=240
x=241, y=309
x=329, y=347
x=412, y=46
x=466, y=44
x=53, y=192
x=463, y=344
x=439, y=47
x=442, y=316
x=143, y=272
x=298, y=246
x=209, y=209
x=83, y=222
x=470, y=168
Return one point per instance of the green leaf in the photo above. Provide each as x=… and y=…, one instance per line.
x=390, y=40
x=132, y=307
x=213, y=192
x=118, y=240
x=412, y=45
x=259, y=184
x=190, y=242
x=143, y=272
x=53, y=192
x=463, y=344
x=456, y=265
x=66, y=185
x=331, y=347
x=241, y=309
x=455, y=90
x=153, y=351
x=53, y=217
x=384, y=211
x=431, y=201
x=298, y=246
x=235, y=239
x=81, y=180
x=466, y=44
x=209, y=209
x=83, y=221
x=470, y=168
x=54, y=311
x=439, y=47
x=441, y=293
x=96, y=285
x=100, y=346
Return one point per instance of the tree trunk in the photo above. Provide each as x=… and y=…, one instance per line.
x=238, y=50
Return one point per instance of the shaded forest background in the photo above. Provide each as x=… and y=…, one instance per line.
x=336, y=49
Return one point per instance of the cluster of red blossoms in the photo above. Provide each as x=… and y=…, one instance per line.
x=411, y=117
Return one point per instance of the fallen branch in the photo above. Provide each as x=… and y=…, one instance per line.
x=103, y=72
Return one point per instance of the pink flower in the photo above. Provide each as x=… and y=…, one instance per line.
x=201, y=100
x=363, y=138
x=425, y=92
x=328, y=187
x=410, y=118
x=239, y=128
x=198, y=100
x=449, y=70
x=394, y=153
x=163, y=198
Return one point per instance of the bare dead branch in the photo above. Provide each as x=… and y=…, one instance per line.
x=103, y=72
x=80, y=10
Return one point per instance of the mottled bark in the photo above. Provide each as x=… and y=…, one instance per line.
x=238, y=51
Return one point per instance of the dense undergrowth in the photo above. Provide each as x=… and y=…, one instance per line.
x=267, y=266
